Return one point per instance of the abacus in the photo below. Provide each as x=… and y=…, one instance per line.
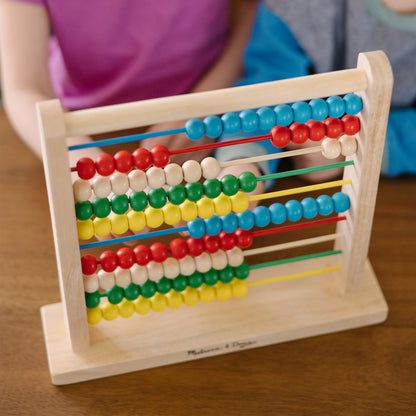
x=157, y=304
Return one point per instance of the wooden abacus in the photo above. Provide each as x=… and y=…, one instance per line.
x=339, y=291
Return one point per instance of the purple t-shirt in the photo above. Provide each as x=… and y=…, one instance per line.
x=108, y=52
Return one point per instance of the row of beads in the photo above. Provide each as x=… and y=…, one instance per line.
x=345, y=146
x=173, y=300
x=265, y=118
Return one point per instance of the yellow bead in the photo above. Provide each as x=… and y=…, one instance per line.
x=85, y=229
x=94, y=315
x=206, y=208
x=159, y=302
x=137, y=220
x=119, y=223
x=154, y=217
x=171, y=214
x=189, y=211
x=102, y=226
x=222, y=205
x=223, y=291
x=239, y=202
x=239, y=288
x=190, y=296
x=142, y=305
x=175, y=299
x=126, y=308
x=206, y=293
x=110, y=311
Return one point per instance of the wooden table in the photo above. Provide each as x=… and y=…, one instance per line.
x=365, y=371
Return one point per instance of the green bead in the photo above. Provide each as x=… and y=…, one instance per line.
x=194, y=191
x=242, y=271
x=230, y=185
x=226, y=274
x=83, y=210
x=157, y=198
x=115, y=295
x=211, y=277
x=176, y=194
x=92, y=299
x=132, y=291
x=248, y=181
x=148, y=289
x=138, y=200
x=212, y=188
x=120, y=204
x=102, y=207
x=179, y=283
x=164, y=285
x=195, y=280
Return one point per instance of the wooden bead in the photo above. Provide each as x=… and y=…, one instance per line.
x=137, y=220
x=82, y=190
x=219, y=260
x=85, y=229
x=154, y=270
x=222, y=205
x=102, y=226
x=91, y=284
x=137, y=180
x=203, y=262
x=189, y=210
x=331, y=148
x=348, y=145
x=171, y=268
x=101, y=186
x=173, y=174
x=119, y=183
x=187, y=265
x=119, y=223
x=191, y=171
x=206, y=208
x=154, y=217
x=155, y=177
x=86, y=168
x=171, y=214
x=210, y=168
x=122, y=277
x=123, y=161
x=106, y=279
x=138, y=274
x=235, y=256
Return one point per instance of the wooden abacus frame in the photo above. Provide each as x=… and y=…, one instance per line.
x=339, y=300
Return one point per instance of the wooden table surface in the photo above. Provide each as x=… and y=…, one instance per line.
x=366, y=371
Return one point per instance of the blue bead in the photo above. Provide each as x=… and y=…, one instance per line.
x=195, y=129
x=284, y=114
x=301, y=112
x=319, y=109
x=231, y=123
x=196, y=227
x=325, y=204
x=249, y=120
x=309, y=207
x=213, y=225
x=267, y=118
x=213, y=126
x=294, y=210
x=353, y=104
x=245, y=220
x=262, y=216
x=278, y=213
x=336, y=106
x=229, y=222
x=341, y=202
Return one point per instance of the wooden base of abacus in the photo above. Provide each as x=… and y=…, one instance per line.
x=268, y=314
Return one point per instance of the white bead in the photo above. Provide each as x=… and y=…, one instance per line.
x=82, y=190
x=331, y=148
x=123, y=277
x=203, y=262
x=191, y=171
x=174, y=174
x=119, y=183
x=155, y=177
x=137, y=180
x=171, y=268
x=90, y=283
x=154, y=270
x=235, y=256
x=348, y=145
x=219, y=260
x=106, y=279
x=138, y=274
x=187, y=265
x=210, y=168
x=101, y=186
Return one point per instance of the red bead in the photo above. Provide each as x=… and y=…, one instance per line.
x=212, y=243
x=244, y=238
x=88, y=264
x=299, y=133
x=105, y=164
x=142, y=254
x=316, y=130
x=351, y=124
x=178, y=248
x=159, y=252
x=333, y=127
x=108, y=261
x=123, y=160
x=86, y=168
x=160, y=155
x=142, y=158
x=195, y=246
x=126, y=257
x=228, y=240
x=280, y=136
